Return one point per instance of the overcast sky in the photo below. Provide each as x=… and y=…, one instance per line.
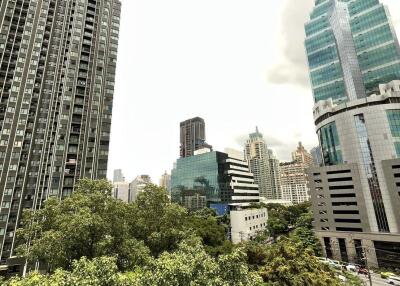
x=236, y=63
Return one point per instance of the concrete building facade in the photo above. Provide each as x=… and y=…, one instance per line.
x=274, y=167
x=122, y=191
x=246, y=224
x=57, y=70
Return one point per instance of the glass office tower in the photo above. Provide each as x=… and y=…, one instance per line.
x=213, y=179
x=351, y=48
x=58, y=61
x=354, y=62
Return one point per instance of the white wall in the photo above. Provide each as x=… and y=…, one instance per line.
x=245, y=224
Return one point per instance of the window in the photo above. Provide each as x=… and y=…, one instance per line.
x=5, y=205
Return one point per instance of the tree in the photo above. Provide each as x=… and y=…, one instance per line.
x=307, y=239
x=205, y=224
x=305, y=235
x=101, y=271
x=287, y=263
x=191, y=265
x=277, y=224
x=89, y=224
x=156, y=221
x=296, y=211
x=256, y=254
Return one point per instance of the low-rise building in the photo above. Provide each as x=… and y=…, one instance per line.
x=246, y=224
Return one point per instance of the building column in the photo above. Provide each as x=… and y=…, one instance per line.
x=351, y=250
x=323, y=246
x=335, y=249
x=370, y=253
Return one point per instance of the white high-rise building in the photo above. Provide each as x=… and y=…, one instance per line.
x=257, y=156
x=274, y=170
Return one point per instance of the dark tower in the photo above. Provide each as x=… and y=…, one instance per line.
x=193, y=136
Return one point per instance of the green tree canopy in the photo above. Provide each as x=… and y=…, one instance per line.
x=287, y=263
x=90, y=223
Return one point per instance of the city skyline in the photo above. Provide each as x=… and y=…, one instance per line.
x=177, y=70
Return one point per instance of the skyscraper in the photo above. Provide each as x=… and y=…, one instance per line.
x=118, y=176
x=275, y=175
x=301, y=155
x=192, y=136
x=58, y=61
x=122, y=191
x=257, y=156
x=294, y=179
x=138, y=185
x=354, y=60
x=316, y=154
x=165, y=181
x=351, y=48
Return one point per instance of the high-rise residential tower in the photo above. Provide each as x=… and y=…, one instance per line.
x=294, y=178
x=192, y=136
x=257, y=156
x=275, y=175
x=57, y=69
x=165, y=181
x=354, y=62
x=301, y=155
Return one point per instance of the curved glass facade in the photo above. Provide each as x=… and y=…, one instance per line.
x=370, y=170
x=394, y=123
x=330, y=145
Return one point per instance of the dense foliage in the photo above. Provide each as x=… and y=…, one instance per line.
x=92, y=239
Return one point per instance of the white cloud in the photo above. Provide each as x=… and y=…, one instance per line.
x=184, y=58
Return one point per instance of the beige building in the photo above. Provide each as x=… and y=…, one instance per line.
x=165, y=181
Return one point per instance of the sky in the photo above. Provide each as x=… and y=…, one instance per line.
x=236, y=63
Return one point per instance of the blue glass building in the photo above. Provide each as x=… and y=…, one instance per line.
x=212, y=179
x=351, y=48
x=354, y=64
